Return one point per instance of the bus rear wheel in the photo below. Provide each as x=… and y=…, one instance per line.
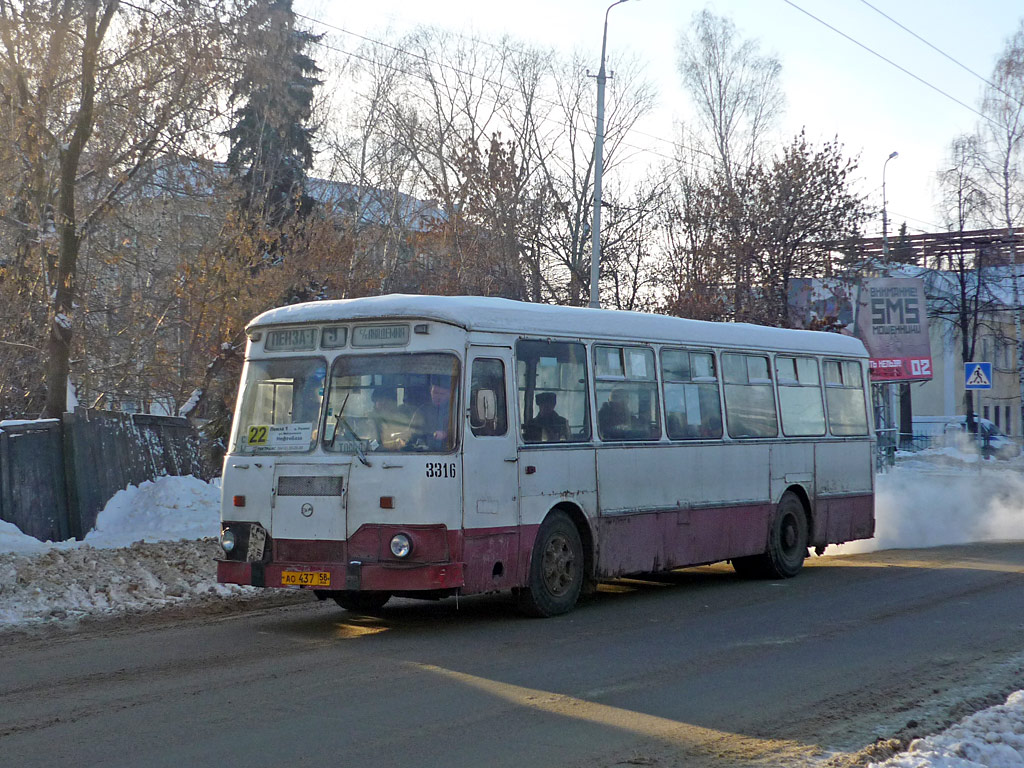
x=556, y=569
x=361, y=602
x=787, y=544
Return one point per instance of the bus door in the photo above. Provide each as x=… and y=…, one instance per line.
x=490, y=475
x=309, y=501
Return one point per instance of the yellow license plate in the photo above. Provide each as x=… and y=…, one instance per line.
x=305, y=578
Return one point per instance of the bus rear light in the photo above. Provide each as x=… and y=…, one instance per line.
x=238, y=501
x=387, y=502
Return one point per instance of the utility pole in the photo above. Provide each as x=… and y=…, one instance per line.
x=595, y=230
x=885, y=223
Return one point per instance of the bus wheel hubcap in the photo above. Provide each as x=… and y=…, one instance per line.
x=789, y=534
x=559, y=565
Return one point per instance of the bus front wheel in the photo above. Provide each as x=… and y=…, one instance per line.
x=787, y=544
x=361, y=602
x=556, y=568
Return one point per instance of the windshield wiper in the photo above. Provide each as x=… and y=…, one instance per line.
x=337, y=421
x=342, y=422
x=356, y=441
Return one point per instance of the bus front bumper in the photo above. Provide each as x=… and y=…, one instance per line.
x=376, y=577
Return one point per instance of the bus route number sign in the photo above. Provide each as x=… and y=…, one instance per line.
x=290, y=340
x=281, y=437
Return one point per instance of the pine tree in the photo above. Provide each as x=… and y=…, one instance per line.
x=271, y=139
x=903, y=251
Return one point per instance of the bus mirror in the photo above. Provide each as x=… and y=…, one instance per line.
x=486, y=405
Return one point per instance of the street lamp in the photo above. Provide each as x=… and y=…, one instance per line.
x=885, y=227
x=595, y=230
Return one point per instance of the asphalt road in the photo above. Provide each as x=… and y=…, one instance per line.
x=699, y=668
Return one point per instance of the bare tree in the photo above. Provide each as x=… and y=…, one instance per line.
x=1002, y=141
x=735, y=91
x=568, y=171
x=803, y=206
x=630, y=239
x=501, y=136
x=93, y=91
x=737, y=98
x=960, y=295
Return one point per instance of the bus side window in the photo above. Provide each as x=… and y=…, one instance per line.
x=626, y=387
x=844, y=398
x=749, y=396
x=488, y=412
x=551, y=378
x=692, y=405
x=800, y=396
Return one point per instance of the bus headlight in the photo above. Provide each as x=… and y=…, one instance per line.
x=401, y=545
x=227, y=540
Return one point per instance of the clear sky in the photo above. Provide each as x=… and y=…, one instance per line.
x=834, y=87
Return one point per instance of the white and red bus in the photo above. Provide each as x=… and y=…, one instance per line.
x=426, y=446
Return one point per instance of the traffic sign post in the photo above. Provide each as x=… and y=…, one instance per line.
x=977, y=375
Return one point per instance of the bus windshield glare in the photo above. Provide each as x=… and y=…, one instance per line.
x=279, y=409
x=381, y=403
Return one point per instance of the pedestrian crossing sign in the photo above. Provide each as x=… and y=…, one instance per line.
x=977, y=375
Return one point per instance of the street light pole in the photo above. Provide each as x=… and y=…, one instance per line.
x=885, y=227
x=595, y=230
x=904, y=387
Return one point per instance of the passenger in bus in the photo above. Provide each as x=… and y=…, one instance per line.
x=614, y=418
x=431, y=424
x=389, y=418
x=547, y=426
x=711, y=426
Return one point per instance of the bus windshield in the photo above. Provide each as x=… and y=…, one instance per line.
x=279, y=408
x=380, y=403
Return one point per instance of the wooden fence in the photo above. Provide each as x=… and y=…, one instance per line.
x=56, y=476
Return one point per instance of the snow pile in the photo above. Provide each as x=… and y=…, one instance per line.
x=75, y=582
x=993, y=738
x=168, y=509
x=13, y=540
x=153, y=546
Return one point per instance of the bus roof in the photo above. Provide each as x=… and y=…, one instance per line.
x=479, y=313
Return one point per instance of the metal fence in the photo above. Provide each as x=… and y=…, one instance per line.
x=56, y=476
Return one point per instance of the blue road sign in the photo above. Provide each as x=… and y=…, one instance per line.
x=977, y=375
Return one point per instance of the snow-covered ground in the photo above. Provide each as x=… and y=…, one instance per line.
x=993, y=738
x=154, y=547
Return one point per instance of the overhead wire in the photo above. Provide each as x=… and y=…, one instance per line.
x=941, y=52
x=889, y=61
x=545, y=118
x=496, y=84
x=675, y=159
x=934, y=227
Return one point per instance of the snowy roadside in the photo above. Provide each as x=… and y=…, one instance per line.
x=154, y=545
x=154, y=548
x=993, y=738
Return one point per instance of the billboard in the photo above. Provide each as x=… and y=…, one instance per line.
x=892, y=321
x=822, y=304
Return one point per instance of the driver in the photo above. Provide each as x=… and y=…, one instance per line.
x=432, y=422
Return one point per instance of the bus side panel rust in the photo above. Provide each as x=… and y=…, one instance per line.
x=659, y=541
x=492, y=557
x=848, y=517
